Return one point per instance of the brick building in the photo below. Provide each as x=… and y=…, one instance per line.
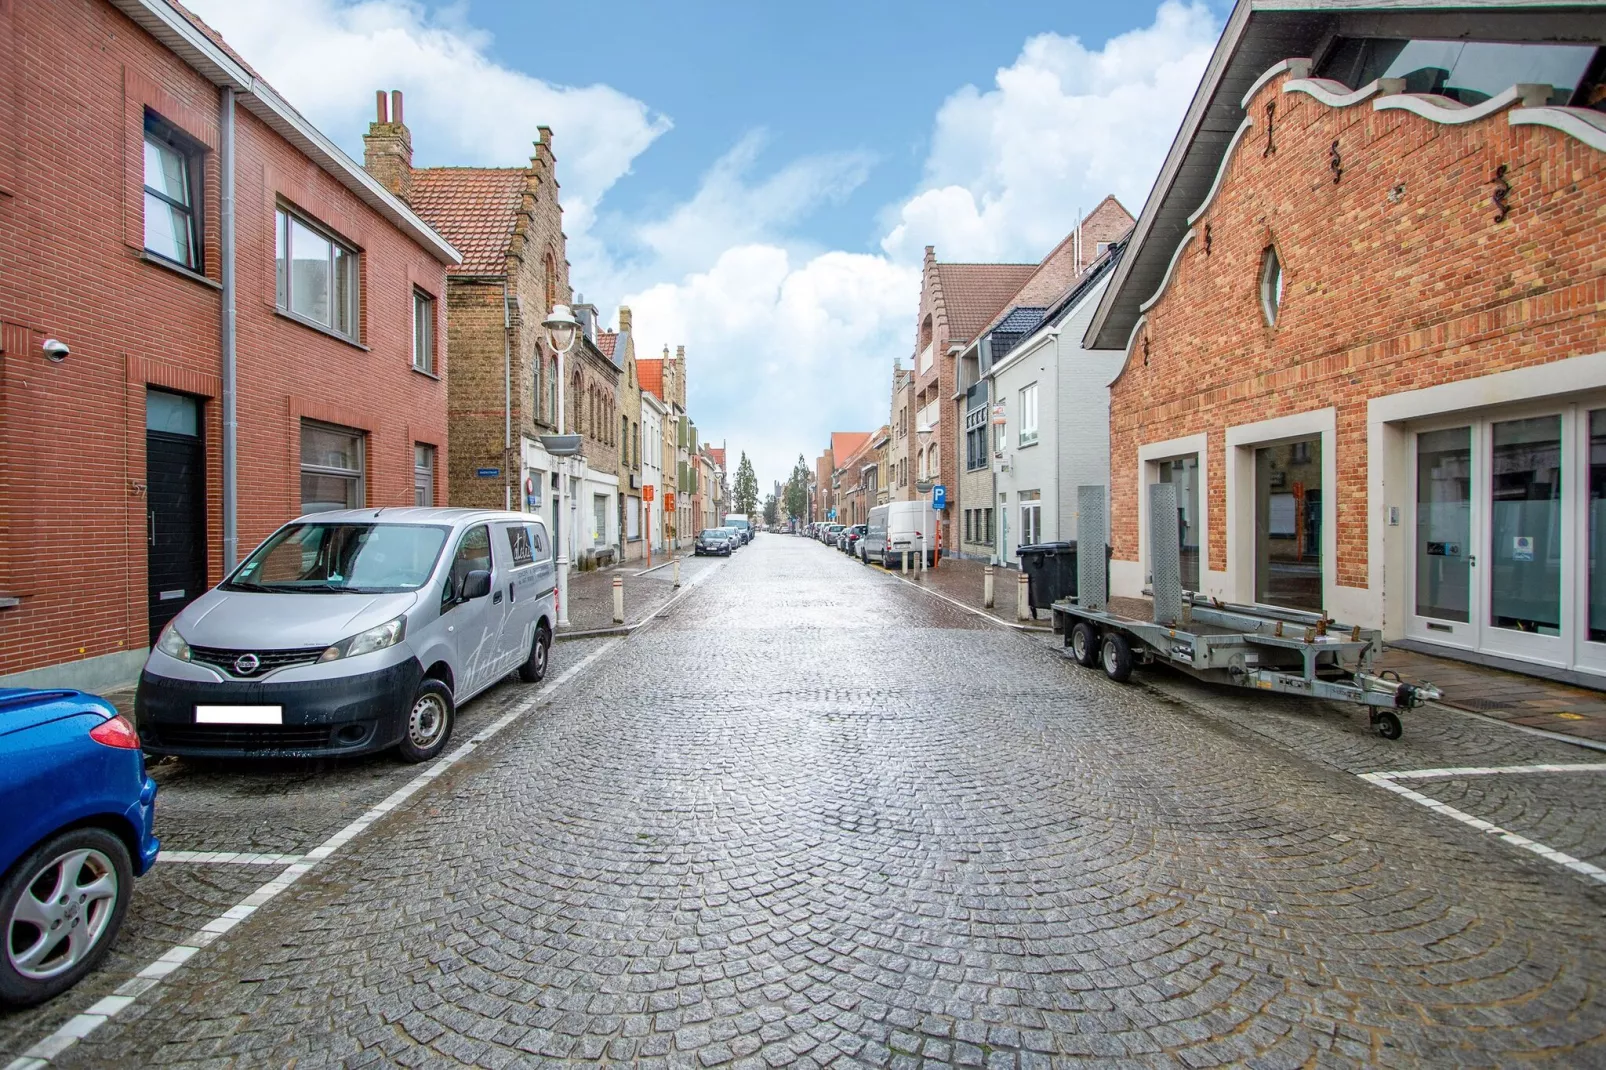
x=1364, y=319
x=113, y=119
x=956, y=301
x=900, y=446
x=632, y=471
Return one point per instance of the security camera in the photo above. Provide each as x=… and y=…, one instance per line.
x=56, y=350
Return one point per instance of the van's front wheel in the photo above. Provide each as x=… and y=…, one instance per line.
x=429, y=722
x=534, y=668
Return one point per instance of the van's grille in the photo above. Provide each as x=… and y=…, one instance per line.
x=267, y=660
x=239, y=737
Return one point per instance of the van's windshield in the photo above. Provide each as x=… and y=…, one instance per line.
x=344, y=558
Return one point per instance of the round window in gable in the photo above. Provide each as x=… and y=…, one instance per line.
x=1271, y=285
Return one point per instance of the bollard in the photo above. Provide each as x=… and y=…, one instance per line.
x=987, y=587
x=618, y=599
x=904, y=567
x=677, y=572
x=1023, y=598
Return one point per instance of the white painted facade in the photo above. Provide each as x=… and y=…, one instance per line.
x=652, y=468
x=1036, y=474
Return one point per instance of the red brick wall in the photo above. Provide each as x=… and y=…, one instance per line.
x=72, y=440
x=1396, y=278
x=936, y=385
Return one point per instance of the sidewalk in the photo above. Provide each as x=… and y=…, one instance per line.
x=591, y=594
x=962, y=581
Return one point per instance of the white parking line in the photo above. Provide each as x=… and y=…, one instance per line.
x=81, y=1025
x=229, y=858
x=1390, y=780
x=1490, y=770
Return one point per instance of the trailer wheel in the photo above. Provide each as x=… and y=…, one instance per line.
x=1117, y=653
x=1388, y=725
x=1085, y=644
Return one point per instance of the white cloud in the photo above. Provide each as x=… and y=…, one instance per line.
x=1063, y=126
x=327, y=57
x=783, y=350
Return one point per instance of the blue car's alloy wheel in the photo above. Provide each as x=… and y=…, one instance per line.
x=62, y=906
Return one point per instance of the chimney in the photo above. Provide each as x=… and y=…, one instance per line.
x=624, y=319
x=388, y=146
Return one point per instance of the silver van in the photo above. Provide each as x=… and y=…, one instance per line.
x=896, y=528
x=353, y=631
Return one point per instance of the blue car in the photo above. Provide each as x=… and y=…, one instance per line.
x=79, y=812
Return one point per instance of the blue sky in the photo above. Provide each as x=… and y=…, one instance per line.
x=757, y=180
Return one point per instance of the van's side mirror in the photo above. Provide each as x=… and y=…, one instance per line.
x=476, y=584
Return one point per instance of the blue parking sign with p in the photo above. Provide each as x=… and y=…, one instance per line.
x=939, y=496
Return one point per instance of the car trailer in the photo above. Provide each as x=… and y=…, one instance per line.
x=1266, y=648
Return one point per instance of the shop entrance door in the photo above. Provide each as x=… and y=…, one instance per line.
x=1524, y=563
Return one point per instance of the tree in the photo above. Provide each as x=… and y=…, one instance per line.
x=797, y=491
x=746, y=488
x=772, y=510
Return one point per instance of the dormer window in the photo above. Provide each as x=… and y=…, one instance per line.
x=1271, y=285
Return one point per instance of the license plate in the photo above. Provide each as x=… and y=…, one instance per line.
x=239, y=715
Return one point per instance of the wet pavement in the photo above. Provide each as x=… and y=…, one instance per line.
x=811, y=815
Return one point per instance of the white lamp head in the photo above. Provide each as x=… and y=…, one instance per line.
x=562, y=328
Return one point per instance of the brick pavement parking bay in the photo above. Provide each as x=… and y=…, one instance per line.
x=871, y=829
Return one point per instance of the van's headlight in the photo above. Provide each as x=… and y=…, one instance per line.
x=172, y=644
x=377, y=638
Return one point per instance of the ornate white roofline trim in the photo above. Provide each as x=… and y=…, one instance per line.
x=1584, y=124
x=1221, y=172
x=1300, y=68
x=1453, y=112
x=1170, y=269
x=1338, y=95
x=1132, y=339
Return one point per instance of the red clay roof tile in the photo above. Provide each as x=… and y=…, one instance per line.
x=974, y=293
x=474, y=208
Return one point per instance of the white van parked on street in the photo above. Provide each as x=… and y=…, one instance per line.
x=353, y=631
x=897, y=527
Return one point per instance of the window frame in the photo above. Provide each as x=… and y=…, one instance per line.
x=424, y=474
x=159, y=131
x=1272, y=286
x=358, y=475
x=1028, y=415
x=425, y=302
x=284, y=282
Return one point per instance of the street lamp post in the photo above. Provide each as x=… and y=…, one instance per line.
x=923, y=434
x=562, y=330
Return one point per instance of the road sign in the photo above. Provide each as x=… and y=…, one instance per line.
x=487, y=473
x=939, y=497
x=647, y=492
x=669, y=500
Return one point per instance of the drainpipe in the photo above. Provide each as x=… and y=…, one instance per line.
x=231, y=518
x=507, y=401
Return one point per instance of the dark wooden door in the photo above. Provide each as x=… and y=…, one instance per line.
x=175, y=521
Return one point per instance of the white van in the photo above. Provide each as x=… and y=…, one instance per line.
x=353, y=631
x=897, y=527
x=740, y=522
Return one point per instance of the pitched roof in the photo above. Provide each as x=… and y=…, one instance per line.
x=650, y=374
x=974, y=293
x=607, y=341
x=845, y=443
x=474, y=208
x=718, y=455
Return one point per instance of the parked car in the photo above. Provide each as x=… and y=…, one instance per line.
x=738, y=539
x=896, y=527
x=79, y=827
x=353, y=631
x=829, y=533
x=850, y=539
x=716, y=542
x=740, y=522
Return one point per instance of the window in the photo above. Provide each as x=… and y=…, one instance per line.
x=423, y=475
x=987, y=525
x=1028, y=414
x=366, y=558
x=473, y=555
x=1031, y=518
x=624, y=438
x=317, y=276
x=538, y=540
x=331, y=467
x=636, y=432
x=1469, y=72
x=536, y=393
x=423, y=332
x=172, y=188
x=976, y=439
x=1271, y=285
x=1100, y=248
x=633, y=519
x=967, y=526
x=599, y=520
x=518, y=544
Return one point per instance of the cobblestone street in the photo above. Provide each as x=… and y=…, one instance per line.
x=811, y=815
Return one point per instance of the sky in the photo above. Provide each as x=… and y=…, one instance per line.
x=758, y=181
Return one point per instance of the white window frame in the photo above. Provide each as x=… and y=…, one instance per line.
x=1028, y=414
x=358, y=475
x=424, y=474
